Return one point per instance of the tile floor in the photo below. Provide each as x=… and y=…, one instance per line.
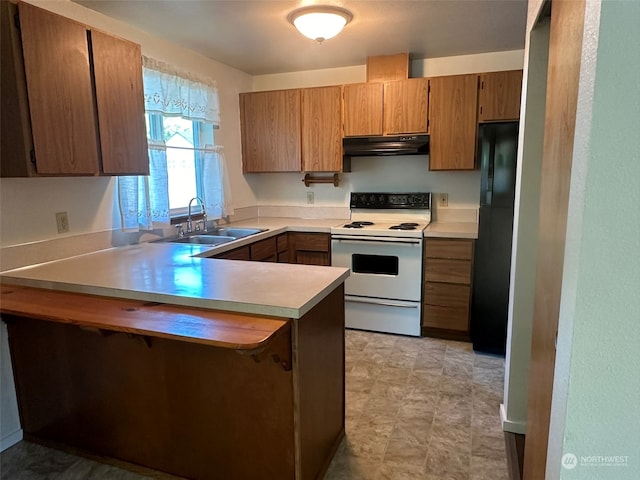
x=417, y=408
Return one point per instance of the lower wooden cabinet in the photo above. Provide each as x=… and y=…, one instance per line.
x=310, y=248
x=264, y=250
x=292, y=247
x=448, y=267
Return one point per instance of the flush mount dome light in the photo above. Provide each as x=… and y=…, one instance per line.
x=320, y=23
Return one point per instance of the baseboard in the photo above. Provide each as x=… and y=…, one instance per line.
x=509, y=425
x=10, y=440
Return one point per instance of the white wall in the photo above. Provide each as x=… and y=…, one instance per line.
x=29, y=205
x=596, y=395
x=525, y=228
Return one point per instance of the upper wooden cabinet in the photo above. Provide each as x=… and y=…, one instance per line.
x=322, y=129
x=362, y=109
x=120, y=101
x=500, y=96
x=405, y=106
x=453, y=123
x=389, y=108
x=85, y=109
x=270, y=124
x=292, y=130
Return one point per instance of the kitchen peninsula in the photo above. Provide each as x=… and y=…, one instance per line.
x=199, y=367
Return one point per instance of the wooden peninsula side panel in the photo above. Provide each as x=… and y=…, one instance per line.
x=189, y=407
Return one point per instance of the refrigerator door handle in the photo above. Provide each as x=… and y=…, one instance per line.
x=490, y=167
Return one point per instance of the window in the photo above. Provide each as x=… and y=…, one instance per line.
x=182, y=114
x=186, y=142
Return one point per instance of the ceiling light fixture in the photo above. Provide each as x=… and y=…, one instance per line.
x=320, y=22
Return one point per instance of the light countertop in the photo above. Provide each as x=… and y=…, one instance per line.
x=452, y=230
x=181, y=274
x=170, y=273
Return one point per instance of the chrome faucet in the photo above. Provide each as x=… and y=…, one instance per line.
x=204, y=216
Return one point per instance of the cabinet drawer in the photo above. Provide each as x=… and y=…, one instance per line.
x=264, y=250
x=461, y=249
x=449, y=318
x=241, y=253
x=446, y=295
x=449, y=271
x=312, y=242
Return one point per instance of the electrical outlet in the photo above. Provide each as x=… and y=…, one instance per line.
x=443, y=200
x=309, y=198
x=62, y=220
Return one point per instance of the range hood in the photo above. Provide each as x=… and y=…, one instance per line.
x=385, y=145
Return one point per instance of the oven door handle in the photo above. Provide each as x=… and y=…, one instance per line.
x=377, y=240
x=383, y=303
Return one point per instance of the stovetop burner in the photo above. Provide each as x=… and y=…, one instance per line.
x=404, y=226
x=358, y=224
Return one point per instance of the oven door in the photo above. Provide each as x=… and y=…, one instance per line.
x=381, y=267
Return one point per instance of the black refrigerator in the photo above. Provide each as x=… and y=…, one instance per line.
x=497, y=153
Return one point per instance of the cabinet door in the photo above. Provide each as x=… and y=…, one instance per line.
x=270, y=126
x=311, y=248
x=56, y=61
x=362, y=109
x=16, y=141
x=264, y=250
x=453, y=122
x=282, y=246
x=120, y=101
x=405, y=106
x=322, y=129
x=500, y=96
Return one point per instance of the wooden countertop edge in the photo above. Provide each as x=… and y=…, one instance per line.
x=238, y=331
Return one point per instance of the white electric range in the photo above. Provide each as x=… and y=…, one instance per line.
x=382, y=247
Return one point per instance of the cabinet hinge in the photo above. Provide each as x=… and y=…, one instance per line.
x=16, y=21
x=482, y=85
x=32, y=155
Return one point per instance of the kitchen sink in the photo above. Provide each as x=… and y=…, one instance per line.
x=215, y=236
x=203, y=239
x=235, y=232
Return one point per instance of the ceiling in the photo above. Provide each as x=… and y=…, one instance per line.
x=254, y=35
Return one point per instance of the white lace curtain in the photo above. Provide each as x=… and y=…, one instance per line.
x=144, y=200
